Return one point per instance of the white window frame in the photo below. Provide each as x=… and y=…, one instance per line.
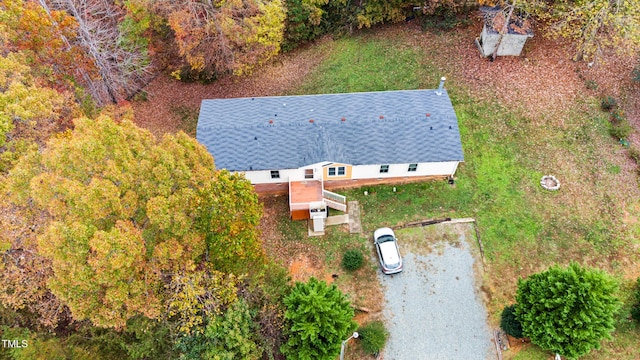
x=413, y=167
x=308, y=174
x=336, y=171
x=275, y=174
x=384, y=169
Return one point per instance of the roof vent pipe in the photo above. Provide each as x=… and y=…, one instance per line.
x=441, y=86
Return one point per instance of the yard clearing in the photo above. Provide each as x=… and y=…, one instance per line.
x=434, y=309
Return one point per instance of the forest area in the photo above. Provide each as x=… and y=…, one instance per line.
x=117, y=244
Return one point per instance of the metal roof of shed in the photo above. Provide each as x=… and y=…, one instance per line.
x=367, y=128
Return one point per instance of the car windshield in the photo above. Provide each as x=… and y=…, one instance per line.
x=385, y=238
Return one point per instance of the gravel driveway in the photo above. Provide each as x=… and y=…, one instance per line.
x=433, y=309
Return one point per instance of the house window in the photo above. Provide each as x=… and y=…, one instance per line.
x=308, y=173
x=275, y=174
x=384, y=169
x=336, y=171
x=413, y=167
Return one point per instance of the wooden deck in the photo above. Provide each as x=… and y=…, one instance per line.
x=305, y=191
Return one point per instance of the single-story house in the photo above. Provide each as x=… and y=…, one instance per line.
x=307, y=145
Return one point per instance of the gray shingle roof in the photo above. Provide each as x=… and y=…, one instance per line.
x=239, y=135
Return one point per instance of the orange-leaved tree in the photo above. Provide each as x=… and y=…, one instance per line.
x=224, y=36
x=46, y=38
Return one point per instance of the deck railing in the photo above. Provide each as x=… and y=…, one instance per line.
x=336, y=205
x=298, y=206
x=333, y=196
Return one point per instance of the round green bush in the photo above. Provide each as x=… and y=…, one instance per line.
x=509, y=323
x=372, y=337
x=352, y=260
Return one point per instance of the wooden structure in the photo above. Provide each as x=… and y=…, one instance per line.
x=509, y=44
x=309, y=200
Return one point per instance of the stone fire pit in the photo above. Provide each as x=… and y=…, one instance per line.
x=549, y=182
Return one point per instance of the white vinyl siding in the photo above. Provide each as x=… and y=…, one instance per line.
x=400, y=170
x=264, y=176
x=360, y=172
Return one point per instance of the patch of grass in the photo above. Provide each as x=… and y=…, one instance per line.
x=621, y=130
x=613, y=169
x=291, y=231
x=424, y=240
x=362, y=64
x=333, y=244
x=532, y=352
x=336, y=242
x=188, y=118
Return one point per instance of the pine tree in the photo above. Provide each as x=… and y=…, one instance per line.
x=319, y=317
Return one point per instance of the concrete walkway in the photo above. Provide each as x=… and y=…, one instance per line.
x=355, y=226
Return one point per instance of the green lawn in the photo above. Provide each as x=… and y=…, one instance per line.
x=523, y=227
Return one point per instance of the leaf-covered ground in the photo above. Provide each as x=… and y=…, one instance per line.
x=544, y=80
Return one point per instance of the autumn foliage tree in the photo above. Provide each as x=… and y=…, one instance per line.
x=45, y=40
x=28, y=111
x=592, y=25
x=121, y=218
x=81, y=43
x=226, y=36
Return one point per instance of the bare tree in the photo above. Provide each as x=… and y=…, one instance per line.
x=121, y=70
